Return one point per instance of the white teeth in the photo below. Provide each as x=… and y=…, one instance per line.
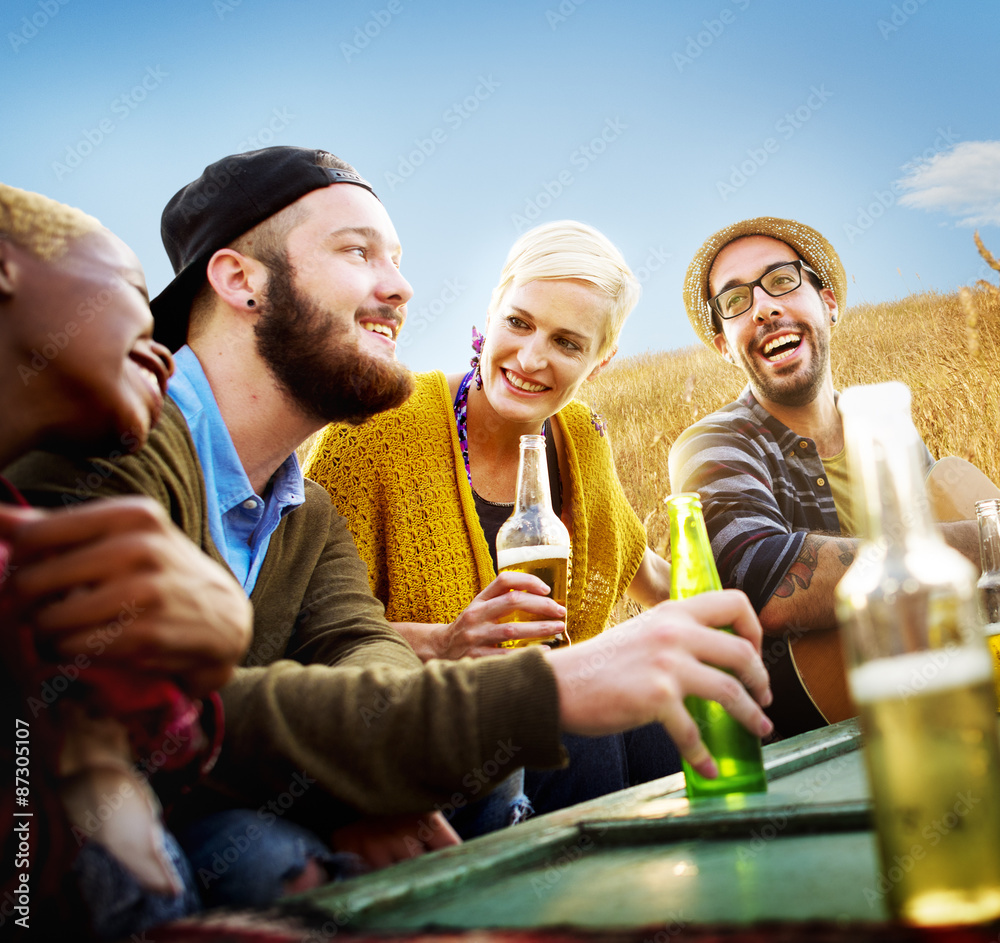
x=523, y=384
x=778, y=341
x=151, y=377
x=377, y=328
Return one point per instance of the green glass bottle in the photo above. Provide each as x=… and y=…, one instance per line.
x=735, y=750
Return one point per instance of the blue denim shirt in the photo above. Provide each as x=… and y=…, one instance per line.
x=241, y=521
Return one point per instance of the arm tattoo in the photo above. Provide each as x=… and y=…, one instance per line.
x=800, y=573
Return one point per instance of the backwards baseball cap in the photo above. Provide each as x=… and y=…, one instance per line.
x=230, y=197
x=811, y=247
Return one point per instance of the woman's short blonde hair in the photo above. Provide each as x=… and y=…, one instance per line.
x=39, y=225
x=570, y=250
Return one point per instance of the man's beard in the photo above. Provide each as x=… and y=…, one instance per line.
x=317, y=364
x=804, y=389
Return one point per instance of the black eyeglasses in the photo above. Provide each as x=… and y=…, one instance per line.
x=777, y=281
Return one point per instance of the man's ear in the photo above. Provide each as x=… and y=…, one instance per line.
x=8, y=270
x=236, y=278
x=830, y=300
x=722, y=347
x=602, y=364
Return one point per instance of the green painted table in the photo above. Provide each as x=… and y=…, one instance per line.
x=646, y=857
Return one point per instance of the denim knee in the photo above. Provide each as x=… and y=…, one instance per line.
x=241, y=859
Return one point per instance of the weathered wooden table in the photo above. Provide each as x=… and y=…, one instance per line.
x=647, y=858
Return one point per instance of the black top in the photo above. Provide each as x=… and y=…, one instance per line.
x=493, y=515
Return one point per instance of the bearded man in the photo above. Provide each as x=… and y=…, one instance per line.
x=283, y=314
x=770, y=467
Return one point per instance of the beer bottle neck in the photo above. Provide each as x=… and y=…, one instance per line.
x=887, y=474
x=532, y=475
x=988, y=513
x=692, y=566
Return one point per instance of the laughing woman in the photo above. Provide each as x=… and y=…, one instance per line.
x=426, y=487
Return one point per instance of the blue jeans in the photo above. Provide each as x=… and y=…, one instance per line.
x=505, y=805
x=119, y=907
x=241, y=859
x=599, y=765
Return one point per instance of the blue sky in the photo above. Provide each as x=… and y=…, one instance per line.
x=874, y=122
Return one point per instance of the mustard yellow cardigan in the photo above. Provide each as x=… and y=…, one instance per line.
x=400, y=482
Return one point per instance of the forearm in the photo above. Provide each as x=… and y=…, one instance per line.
x=424, y=638
x=651, y=583
x=393, y=740
x=803, y=600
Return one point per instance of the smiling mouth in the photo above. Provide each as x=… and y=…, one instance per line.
x=781, y=347
x=525, y=385
x=378, y=328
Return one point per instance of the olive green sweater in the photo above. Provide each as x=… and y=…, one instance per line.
x=332, y=708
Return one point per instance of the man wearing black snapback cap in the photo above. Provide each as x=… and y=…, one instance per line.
x=284, y=314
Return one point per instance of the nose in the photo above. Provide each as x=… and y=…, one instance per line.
x=531, y=355
x=394, y=289
x=763, y=305
x=164, y=354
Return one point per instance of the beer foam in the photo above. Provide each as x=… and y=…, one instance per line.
x=515, y=556
x=941, y=669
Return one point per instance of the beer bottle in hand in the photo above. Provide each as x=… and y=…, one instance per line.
x=533, y=539
x=920, y=674
x=735, y=750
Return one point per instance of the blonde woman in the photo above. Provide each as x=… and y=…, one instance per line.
x=425, y=487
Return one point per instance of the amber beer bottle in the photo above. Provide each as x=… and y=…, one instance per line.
x=533, y=539
x=735, y=750
x=919, y=672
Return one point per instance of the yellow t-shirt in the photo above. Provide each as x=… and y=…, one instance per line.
x=840, y=485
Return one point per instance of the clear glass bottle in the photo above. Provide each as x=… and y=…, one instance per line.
x=920, y=674
x=533, y=539
x=735, y=750
x=988, y=515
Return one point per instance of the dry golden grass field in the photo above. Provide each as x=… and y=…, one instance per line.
x=946, y=348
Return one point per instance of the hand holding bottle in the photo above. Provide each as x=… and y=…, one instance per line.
x=642, y=670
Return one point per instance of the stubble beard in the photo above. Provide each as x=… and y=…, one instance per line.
x=802, y=390
x=317, y=364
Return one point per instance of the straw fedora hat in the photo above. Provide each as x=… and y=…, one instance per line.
x=812, y=248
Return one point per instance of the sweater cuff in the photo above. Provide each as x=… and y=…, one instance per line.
x=519, y=709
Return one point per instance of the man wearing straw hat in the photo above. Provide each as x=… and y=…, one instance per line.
x=770, y=467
